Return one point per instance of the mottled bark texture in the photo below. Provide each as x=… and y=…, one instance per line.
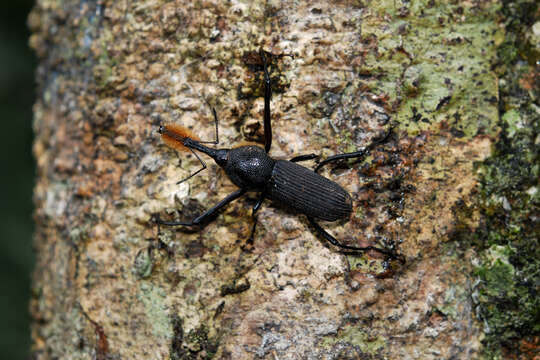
x=106, y=286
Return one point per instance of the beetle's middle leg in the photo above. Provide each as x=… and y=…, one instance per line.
x=304, y=157
x=356, y=154
x=256, y=208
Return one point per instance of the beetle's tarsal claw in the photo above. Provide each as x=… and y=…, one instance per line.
x=156, y=219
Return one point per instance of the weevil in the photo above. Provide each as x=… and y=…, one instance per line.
x=284, y=181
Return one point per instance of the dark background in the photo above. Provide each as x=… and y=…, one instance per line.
x=17, y=92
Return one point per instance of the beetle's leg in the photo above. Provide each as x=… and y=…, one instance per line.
x=158, y=244
x=256, y=208
x=267, y=97
x=206, y=215
x=355, y=154
x=330, y=159
x=156, y=220
x=352, y=250
x=304, y=157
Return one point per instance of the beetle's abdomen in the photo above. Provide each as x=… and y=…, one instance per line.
x=308, y=192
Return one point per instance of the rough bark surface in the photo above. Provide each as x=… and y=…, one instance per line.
x=108, y=287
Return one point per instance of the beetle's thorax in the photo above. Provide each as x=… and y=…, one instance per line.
x=248, y=167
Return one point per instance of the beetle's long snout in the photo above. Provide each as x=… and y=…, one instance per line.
x=220, y=156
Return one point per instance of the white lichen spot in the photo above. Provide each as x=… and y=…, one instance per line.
x=55, y=201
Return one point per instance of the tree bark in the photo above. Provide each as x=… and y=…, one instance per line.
x=108, y=286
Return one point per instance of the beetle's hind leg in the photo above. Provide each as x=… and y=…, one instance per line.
x=352, y=250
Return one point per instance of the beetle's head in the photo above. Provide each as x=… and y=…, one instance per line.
x=221, y=156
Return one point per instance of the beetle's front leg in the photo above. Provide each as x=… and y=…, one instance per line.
x=206, y=215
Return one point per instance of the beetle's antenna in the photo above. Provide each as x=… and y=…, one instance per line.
x=196, y=172
x=216, y=134
x=180, y=138
x=175, y=136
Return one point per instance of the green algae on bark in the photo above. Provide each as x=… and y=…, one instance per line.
x=507, y=239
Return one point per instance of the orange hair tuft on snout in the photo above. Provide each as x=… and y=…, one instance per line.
x=174, y=136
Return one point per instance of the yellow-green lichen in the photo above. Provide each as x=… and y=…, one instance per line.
x=354, y=336
x=366, y=265
x=437, y=71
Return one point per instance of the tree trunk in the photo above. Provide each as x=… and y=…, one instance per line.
x=108, y=286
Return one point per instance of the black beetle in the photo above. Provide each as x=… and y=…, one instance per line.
x=251, y=169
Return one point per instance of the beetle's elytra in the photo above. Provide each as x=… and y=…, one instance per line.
x=285, y=181
x=308, y=192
